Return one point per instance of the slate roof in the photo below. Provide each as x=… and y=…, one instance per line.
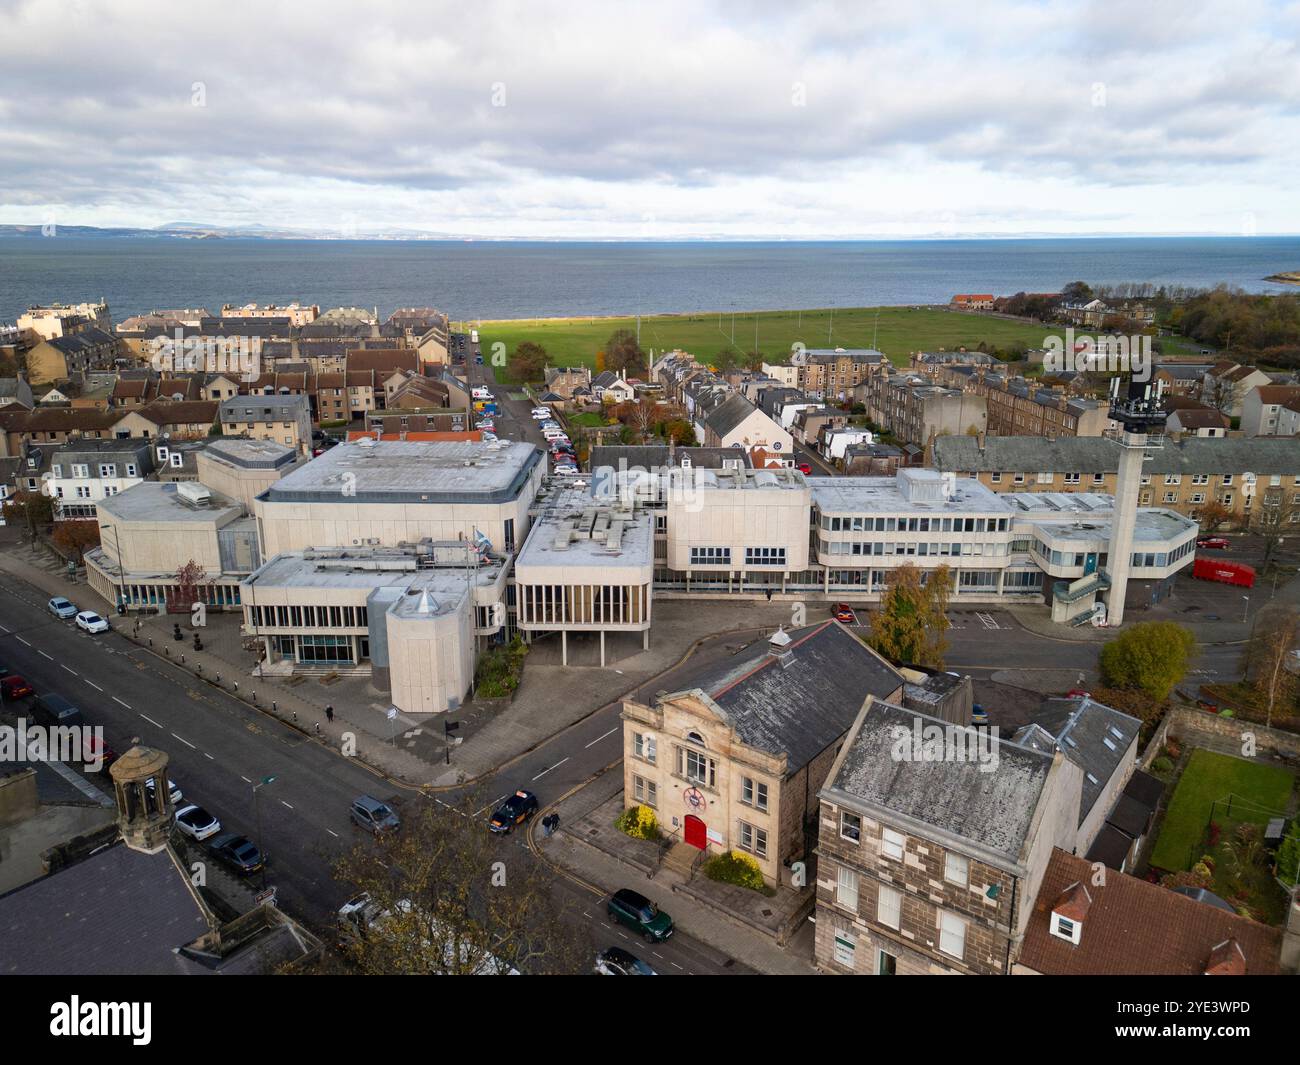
x=656, y=455
x=273, y=408
x=1136, y=928
x=1095, y=737
x=1095, y=454
x=989, y=809
x=800, y=704
x=729, y=414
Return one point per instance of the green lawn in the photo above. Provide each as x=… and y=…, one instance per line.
x=897, y=331
x=1259, y=789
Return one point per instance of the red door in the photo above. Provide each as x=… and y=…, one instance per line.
x=696, y=834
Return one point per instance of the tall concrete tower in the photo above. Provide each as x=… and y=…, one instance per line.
x=1142, y=424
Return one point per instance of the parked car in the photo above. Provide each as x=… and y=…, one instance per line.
x=91, y=622
x=630, y=908
x=543, y=413
x=173, y=790
x=516, y=810
x=489, y=438
x=15, y=687
x=1213, y=543
x=374, y=816
x=95, y=750
x=566, y=471
x=196, y=822
x=61, y=608
x=844, y=614
x=804, y=468
x=237, y=853
x=56, y=710
x=615, y=961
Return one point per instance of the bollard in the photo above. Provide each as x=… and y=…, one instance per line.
x=254, y=695
x=182, y=658
x=236, y=687
x=199, y=669
x=218, y=678
x=274, y=708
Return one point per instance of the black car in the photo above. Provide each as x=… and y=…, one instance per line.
x=615, y=961
x=238, y=853
x=516, y=810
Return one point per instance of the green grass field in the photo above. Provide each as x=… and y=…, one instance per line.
x=897, y=331
x=1260, y=789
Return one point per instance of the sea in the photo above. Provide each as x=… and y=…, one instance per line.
x=475, y=280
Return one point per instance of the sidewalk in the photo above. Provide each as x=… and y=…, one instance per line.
x=589, y=861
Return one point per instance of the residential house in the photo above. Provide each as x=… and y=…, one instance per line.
x=980, y=301
x=1261, y=409
x=562, y=380
x=1203, y=421
x=735, y=422
x=282, y=419
x=70, y=354
x=175, y=419
x=611, y=387
x=85, y=472
x=16, y=392
x=58, y=319
x=1226, y=385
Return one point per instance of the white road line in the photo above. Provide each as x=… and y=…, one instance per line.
x=119, y=701
x=549, y=768
x=283, y=803
x=245, y=779
x=599, y=738
x=183, y=740
x=44, y=655
x=151, y=721
x=674, y=965
x=332, y=833
x=22, y=641
x=72, y=671
x=208, y=757
x=4, y=630
x=94, y=685
x=489, y=806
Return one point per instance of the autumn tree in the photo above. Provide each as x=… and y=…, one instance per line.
x=1152, y=657
x=75, y=538
x=911, y=623
x=191, y=578
x=29, y=509
x=623, y=353
x=1268, y=656
x=529, y=361
x=1212, y=515
x=450, y=898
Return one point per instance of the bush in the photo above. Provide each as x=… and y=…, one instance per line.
x=639, y=822
x=1152, y=657
x=735, y=868
x=1162, y=766
x=500, y=669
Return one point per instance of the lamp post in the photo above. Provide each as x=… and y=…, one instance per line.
x=121, y=570
x=257, y=816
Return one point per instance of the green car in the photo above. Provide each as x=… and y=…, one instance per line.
x=639, y=914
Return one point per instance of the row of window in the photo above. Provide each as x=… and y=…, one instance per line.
x=699, y=768
x=864, y=524
x=889, y=913
x=107, y=469
x=893, y=845
x=910, y=547
x=754, y=556
x=308, y=617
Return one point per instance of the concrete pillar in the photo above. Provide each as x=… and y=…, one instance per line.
x=1120, y=551
x=645, y=639
x=602, y=648
x=564, y=647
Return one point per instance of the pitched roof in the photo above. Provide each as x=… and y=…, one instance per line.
x=1095, y=737
x=182, y=412
x=383, y=359
x=1203, y=419
x=989, y=808
x=1277, y=394
x=1095, y=454
x=800, y=703
x=730, y=414
x=1137, y=928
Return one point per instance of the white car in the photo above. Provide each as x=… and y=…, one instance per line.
x=173, y=790
x=196, y=822
x=565, y=471
x=89, y=621
x=542, y=413
x=482, y=393
x=488, y=437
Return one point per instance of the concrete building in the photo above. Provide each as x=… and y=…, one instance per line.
x=412, y=617
x=389, y=493
x=914, y=410
x=297, y=313
x=731, y=760
x=587, y=566
x=283, y=419
x=70, y=354
x=58, y=319
x=932, y=839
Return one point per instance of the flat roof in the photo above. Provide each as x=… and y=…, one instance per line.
x=866, y=495
x=406, y=471
x=1089, y=515
x=251, y=454
x=159, y=501
x=366, y=569
x=575, y=530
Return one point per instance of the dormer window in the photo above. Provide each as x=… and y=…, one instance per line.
x=1064, y=928
x=1069, y=912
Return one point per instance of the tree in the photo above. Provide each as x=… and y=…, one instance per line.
x=75, y=538
x=623, y=353
x=529, y=361
x=30, y=509
x=190, y=579
x=1152, y=657
x=1076, y=292
x=1273, y=516
x=1267, y=657
x=911, y=622
x=1212, y=514
x=457, y=903
x=640, y=416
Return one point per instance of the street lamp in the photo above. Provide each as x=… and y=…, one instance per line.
x=121, y=569
x=257, y=816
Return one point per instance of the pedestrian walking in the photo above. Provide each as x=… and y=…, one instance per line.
x=329, y=714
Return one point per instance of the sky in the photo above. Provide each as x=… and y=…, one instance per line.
x=678, y=118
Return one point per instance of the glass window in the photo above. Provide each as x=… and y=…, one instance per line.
x=892, y=844
x=846, y=888
x=956, y=869
x=952, y=934
x=850, y=826
x=889, y=907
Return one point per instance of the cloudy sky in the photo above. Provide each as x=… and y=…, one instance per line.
x=671, y=118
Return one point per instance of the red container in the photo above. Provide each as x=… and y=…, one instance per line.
x=1212, y=569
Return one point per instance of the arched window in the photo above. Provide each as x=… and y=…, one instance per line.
x=696, y=738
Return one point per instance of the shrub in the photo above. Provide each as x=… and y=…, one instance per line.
x=639, y=822
x=501, y=668
x=1162, y=766
x=1151, y=657
x=737, y=868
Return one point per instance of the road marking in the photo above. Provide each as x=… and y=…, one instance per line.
x=674, y=965
x=22, y=641
x=245, y=779
x=151, y=720
x=183, y=740
x=208, y=757
x=4, y=630
x=599, y=738
x=332, y=833
x=489, y=806
x=72, y=671
x=283, y=803
x=119, y=701
x=549, y=768
x=93, y=684
x=988, y=620
x=44, y=655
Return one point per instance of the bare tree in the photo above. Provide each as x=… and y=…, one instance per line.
x=1274, y=516
x=447, y=897
x=1268, y=656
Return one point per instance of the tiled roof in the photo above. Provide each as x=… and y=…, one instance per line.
x=1133, y=927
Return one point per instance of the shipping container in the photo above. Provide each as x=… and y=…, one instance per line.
x=1212, y=569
